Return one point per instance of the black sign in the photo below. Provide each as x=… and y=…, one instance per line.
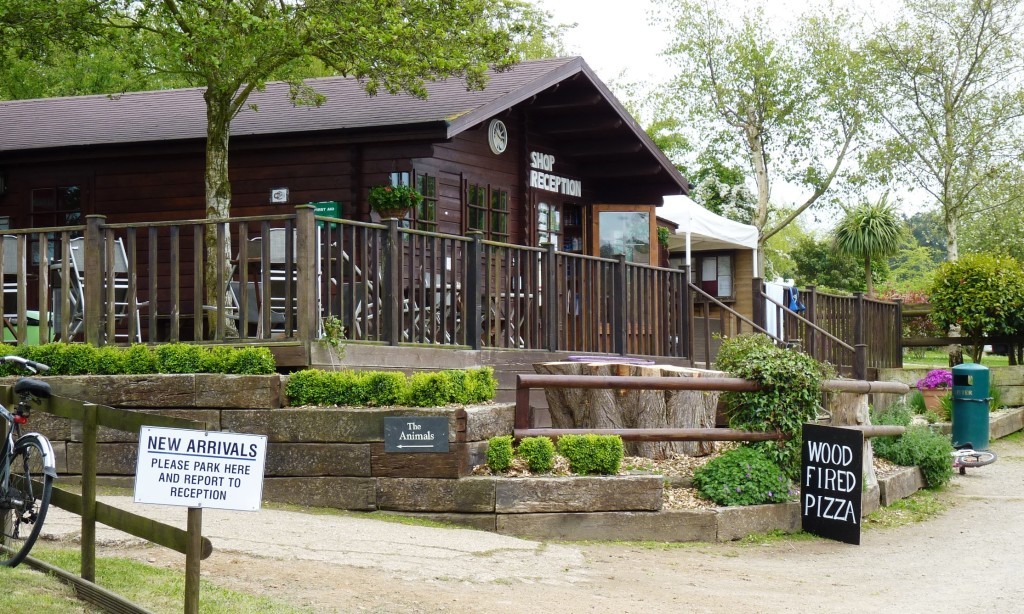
x=415, y=434
x=830, y=482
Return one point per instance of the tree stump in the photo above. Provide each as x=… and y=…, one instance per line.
x=849, y=409
x=620, y=409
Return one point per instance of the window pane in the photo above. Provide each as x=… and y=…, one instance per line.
x=627, y=233
x=709, y=269
x=725, y=285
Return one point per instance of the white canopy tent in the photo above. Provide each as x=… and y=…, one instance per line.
x=700, y=229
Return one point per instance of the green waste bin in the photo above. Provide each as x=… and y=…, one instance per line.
x=971, y=405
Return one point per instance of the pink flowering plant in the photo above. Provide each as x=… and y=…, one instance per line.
x=937, y=378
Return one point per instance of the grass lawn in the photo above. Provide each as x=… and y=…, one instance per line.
x=936, y=358
x=161, y=590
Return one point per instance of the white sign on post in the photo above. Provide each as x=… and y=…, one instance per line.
x=200, y=468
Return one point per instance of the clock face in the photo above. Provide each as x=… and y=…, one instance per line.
x=497, y=136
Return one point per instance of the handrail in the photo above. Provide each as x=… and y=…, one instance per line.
x=809, y=323
x=735, y=313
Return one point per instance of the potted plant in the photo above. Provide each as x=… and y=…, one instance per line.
x=393, y=200
x=934, y=386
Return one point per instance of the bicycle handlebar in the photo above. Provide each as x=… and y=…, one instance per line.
x=29, y=365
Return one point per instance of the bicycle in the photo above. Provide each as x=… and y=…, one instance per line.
x=966, y=456
x=27, y=470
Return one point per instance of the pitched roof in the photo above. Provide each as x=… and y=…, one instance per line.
x=170, y=115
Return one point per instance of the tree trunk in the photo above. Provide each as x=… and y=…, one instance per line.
x=757, y=160
x=218, y=202
x=619, y=409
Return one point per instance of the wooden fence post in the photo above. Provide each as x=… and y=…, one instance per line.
x=193, y=554
x=812, y=298
x=307, y=305
x=759, y=307
x=393, y=288
x=620, y=322
x=94, y=279
x=898, y=350
x=549, y=296
x=860, y=358
x=89, y=430
x=472, y=298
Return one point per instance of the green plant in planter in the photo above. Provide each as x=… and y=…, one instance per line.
x=393, y=200
x=588, y=454
x=742, y=476
x=499, y=453
x=792, y=391
x=538, y=452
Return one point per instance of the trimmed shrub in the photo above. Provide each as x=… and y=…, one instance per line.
x=742, y=476
x=588, y=454
x=431, y=389
x=313, y=387
x=64, y=358
x=382, y=387
x=252, y=361
x=499, y=453
x=111, y=360
x=538, y=452
x=179, y=358
x=216, y=359
x=482, y=385
x=139, y=360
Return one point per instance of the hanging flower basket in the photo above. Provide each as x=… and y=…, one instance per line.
x=393, y=201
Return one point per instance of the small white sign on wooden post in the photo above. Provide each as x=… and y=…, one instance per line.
x=203, y=469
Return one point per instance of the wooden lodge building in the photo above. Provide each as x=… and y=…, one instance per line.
x=537, y=231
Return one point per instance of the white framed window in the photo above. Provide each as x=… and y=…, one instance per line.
x=717, y=275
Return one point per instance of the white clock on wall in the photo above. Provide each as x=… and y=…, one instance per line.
x=497, y=136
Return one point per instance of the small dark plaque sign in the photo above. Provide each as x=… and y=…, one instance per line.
x=831, y=476
x=416, y=434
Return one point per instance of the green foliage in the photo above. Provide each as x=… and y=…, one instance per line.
x=499, y=453
x=996, y=402
x=819, y=263
x=601, y=454
x=897, y=414
x=252, y=361
x=916, y=401
x=983, y=294
x=538, y=452
x=922, y=447
x=216, y=359
x=742, y=476
x=139, y=359
x=64, y=358
x=179, y=358
x=792, y=391
x=381, y=388
x=111, y=360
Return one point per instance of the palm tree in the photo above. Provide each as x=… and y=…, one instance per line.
x=869, y=230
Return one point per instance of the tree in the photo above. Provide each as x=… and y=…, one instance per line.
x=723, y=190
x=869, y=231
x=983, y=294
x=792, y=105
x=817, y=262
x=951, y=78
x=232, y=47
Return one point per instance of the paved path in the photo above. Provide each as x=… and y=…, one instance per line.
x=970, y=557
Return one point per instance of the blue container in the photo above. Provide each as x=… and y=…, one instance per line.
x=971, y=405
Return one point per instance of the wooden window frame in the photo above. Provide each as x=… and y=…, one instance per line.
x=491, y=205
x=698, y=272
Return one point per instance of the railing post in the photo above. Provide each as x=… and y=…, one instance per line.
x=89, y=431
x=811, y=304
x=306, y=302
x=758, y=306
x=94, y=280
x=473, y=277
x=193, y=554
x=549, y=296
x=393, y=286
x=687, y=315
x=898, y=350
x=620, y=313
x=860, y=350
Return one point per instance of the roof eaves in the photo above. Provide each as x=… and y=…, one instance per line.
x=472, y=117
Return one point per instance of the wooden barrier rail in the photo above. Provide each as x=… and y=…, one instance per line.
x=190, y=542
x=524, y=383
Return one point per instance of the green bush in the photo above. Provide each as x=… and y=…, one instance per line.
x=179, y=358
x=139, y=360
x=916, y=401
x=538, y=452
x=742, y=476
x=111, y=360
x=588, y=454
x=996, y=402
x=313, y=387
x=921, y=447
x=792, y=392
x=252, y=361
x=383, y=388
x=482, y=385
x=216, y=359
x=431, y=389
x=499, y=453
x=64, y=358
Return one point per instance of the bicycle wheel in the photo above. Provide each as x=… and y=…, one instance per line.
x=28, y=498
x=977, y=458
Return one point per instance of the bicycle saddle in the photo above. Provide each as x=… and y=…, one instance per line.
x=34, y=387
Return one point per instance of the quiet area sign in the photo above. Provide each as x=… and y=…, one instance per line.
x=203, y=469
